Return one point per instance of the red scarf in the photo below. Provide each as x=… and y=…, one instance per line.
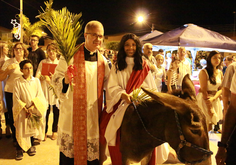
x=80, y=104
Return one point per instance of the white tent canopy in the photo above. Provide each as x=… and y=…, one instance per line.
x=148, y=36
x=190, y=35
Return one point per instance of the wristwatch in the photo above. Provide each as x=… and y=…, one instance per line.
x=220, y=144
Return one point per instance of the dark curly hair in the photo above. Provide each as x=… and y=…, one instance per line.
x=121, y=63
x=22, y=63
x=209, y=68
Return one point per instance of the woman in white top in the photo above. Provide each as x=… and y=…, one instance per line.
x=3, y=57
x=12, y=71
x=160, y=75
x=210, y=80
x=52, y=52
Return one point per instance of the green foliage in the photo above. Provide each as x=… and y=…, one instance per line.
x=31, y=29
x=53, y=90
x=139, y=97
x=65, y=28
x=34, y=121
x=112, y=45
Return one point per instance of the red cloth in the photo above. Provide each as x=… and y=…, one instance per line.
x=135, y=81
x=80, y=105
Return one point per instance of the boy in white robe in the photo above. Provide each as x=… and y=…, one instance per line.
x=28, y=100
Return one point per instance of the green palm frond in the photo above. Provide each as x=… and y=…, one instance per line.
x=65, y=28
x=31, y=29
x=34, y=121
x=139, y=97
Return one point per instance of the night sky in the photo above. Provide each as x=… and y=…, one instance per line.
x=119, y=15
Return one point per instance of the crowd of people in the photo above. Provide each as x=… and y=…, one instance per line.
x=86, y=126
x=26, y=100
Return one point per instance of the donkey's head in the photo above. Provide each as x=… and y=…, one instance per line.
x=187, y=123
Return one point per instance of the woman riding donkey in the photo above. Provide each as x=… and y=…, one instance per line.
x=129, y=73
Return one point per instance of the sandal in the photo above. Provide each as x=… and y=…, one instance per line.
x=54, y=136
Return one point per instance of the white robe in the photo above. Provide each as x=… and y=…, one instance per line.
x=117, y=83
x=24, y=93
x=65, y=124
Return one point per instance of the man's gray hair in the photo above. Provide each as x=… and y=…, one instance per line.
x=146, y=44
x=92, y=24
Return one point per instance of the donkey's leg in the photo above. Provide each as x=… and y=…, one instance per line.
x=125, y=160
x=146, y=159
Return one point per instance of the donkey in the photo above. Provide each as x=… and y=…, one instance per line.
x=175, y=119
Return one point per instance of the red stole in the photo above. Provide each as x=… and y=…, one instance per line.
x=80, y=104
x=135, y=81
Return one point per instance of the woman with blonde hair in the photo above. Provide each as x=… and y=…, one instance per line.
x=11, y=71
x=160, y=74
x=3, y=57
x=172, y=74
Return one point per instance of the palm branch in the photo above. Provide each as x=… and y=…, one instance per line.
x=31, y=29
x=139, y=97
x=65, y=28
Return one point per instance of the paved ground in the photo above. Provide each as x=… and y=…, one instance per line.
x=48, y=152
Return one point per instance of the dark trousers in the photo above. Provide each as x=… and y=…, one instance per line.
x=18, y=147
x=9, y=103
x=231, y=150
x=164, y=88
x=70, y=161
x=55, y=118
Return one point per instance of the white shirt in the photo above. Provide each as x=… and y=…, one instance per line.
x=233, y=84
x=12, y=76
x=184, y=68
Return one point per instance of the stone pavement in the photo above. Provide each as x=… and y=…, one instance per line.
x=48, y=151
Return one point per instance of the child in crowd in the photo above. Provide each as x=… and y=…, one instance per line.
x=29, y=107
x=172, y=74
x=53, y=53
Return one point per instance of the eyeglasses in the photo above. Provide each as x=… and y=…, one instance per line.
x=20, y=49
x=28, y=68
x=33, y=40
x=53, y=50
x=94, y=35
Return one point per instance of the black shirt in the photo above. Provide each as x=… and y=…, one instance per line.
x=36, y=56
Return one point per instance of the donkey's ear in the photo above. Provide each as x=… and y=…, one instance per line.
x=153, y=95
x=167, y=100
x=188, y=88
